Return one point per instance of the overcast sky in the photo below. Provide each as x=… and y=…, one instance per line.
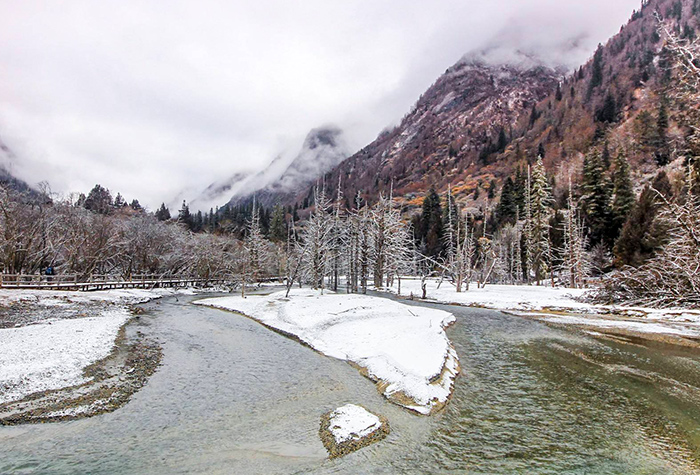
x=149, y=98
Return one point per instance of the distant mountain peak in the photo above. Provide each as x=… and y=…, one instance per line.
x=322, y=150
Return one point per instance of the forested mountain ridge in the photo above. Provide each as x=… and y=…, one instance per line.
x=480, y=121
x=473, y=107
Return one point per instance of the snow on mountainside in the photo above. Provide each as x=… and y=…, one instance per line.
x=323, y=149
x=441, y=139
x=7, y=165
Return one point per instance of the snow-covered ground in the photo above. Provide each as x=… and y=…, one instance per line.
x=48, y=337
x=538, y=300
x=52, y=355
x=402, y=346
x=352, y=422
x=63, y=298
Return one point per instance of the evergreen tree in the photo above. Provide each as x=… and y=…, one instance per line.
x=534, y=115
x=595, y=202
x=492, y=189
x=558, y=96
x=431, y=230
x=507, y=208
x=519, y=190
x=640, y=236
x=540, y=200
x=119, y=201
x=623, y=191
x=596, y=70
x=608, y=113
x=502, y=141
x=184, y=216
x=662, y=153
x=278, y=225
x=99, y=200
x=163, y=213
x=135, y=205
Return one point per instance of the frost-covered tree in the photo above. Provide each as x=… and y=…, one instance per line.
x=317, y=239
x=575, y=260
x=538, y=212
x=255, y=247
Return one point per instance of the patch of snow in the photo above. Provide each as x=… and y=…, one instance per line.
x=114, y=296
x=530, y=299
x=404, y=346
x=352, y=422
x=52, y=355
x=498, y=297
x=642, y=327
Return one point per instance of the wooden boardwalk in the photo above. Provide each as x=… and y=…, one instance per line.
x=100, y=282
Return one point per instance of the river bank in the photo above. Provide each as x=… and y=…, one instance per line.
x=71, y=355
x=565, y=307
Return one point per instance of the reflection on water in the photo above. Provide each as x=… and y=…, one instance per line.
x=234, y=397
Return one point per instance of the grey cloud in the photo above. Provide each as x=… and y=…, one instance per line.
x=149, y=99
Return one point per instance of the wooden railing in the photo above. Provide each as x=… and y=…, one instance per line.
x=101, y=282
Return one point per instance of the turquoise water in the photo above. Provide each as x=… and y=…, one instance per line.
x=234, y=397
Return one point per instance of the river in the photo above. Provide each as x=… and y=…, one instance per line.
x=234, y=397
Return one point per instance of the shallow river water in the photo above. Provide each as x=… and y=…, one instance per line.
x=234, y=397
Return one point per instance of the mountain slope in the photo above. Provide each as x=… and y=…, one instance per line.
x=323, y=149
x=481, y=120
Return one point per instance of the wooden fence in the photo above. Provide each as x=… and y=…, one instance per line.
x=101, y=282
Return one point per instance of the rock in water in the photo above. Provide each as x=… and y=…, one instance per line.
x=349, y=428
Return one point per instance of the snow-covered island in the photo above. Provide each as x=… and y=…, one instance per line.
x=350, y=428
x=403, y=348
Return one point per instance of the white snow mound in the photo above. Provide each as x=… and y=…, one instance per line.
x=403, y=346
x=352, y=422
x=52, y=355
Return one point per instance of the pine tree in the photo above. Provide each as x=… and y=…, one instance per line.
x=99, y=200
x=492, y=190
x=278, y=225
x=662, y=153
x=507, y=208
x=595, y=202
x=608, y=113
x=119, y=201
x=596, y=70
x=641, y=234
x=540, y=200
x=184, y=216
x=623, y=195
x=163, y=213
x=431, y=230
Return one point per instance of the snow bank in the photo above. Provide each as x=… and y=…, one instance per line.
x=641, y=327
x=532, y=300
x=498, y=297
x=53, y=355
x=64, y=297
x=352, y=422
x=402, y=347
